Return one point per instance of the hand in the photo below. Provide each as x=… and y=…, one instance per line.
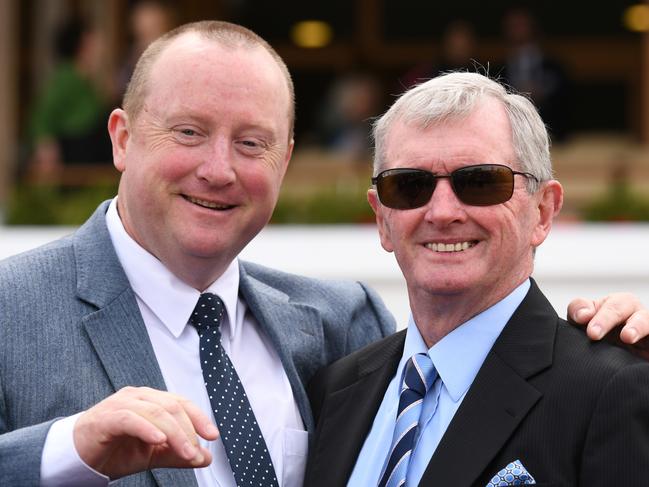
x=138, y=429
x=614, y=310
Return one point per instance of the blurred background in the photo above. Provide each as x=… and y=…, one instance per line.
x=585, y=64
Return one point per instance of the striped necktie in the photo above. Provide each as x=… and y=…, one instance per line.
x=418, y=377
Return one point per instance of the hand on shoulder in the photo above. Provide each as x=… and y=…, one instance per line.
x=618, y=310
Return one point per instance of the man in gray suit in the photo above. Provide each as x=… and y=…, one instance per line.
x=100, y=376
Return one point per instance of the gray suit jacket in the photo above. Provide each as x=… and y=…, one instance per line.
x=71, y=334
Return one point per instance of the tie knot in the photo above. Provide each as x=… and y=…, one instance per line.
x=207, y=313
x=419, y=375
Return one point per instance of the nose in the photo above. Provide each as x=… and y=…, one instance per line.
x=444, y=207
x=217, y=164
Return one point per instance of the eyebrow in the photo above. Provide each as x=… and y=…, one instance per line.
x=188, y=115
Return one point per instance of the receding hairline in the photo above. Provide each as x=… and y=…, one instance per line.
x=225, y=34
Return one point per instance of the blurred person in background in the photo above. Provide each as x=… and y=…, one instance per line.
x=148, y=20
x=345, y=117
x=67, y=121
x=457, y=53
x=528, y=69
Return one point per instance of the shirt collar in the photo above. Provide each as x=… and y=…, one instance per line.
x=459, y=355
x=169, y=298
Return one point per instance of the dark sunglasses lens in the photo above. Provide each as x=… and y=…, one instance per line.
x=483, y=185
x=405, y=189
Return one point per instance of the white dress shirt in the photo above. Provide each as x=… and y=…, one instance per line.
x=166, y=304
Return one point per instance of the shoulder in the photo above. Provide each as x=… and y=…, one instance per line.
x=326, y=295
x=300, y=287
x=380, y=357
x=40, y=265
x=52, y=270
x=363, y=361
x=352, y=314
x=599, y=360
x=604, y=390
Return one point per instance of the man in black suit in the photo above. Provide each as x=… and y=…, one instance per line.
x=502, y=391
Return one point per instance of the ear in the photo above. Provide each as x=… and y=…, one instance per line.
x=118, y=128
x=289, y=153
x=549, y=205
x=381, y=223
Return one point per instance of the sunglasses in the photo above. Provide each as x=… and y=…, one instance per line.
x=479, y=185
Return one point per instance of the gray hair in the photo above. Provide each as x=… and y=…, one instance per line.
x=455, y=96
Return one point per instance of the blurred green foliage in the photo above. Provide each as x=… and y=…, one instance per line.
x=327, y=206
x=618, y=204
x=50, y=205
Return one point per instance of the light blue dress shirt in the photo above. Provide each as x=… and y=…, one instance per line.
x=457, y=357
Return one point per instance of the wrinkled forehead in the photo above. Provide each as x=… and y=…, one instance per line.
x=482, y=136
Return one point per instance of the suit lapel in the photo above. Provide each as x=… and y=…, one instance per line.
x=494, y=406
x=294, y=329
x=348, y=413
x=121, y=341
x=116, y=329
x=499, y=398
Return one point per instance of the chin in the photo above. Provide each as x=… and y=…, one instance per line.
x=202, y=248
x=445, y=284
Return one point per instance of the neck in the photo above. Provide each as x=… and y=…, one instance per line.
x=437, y=314
x=199, y=275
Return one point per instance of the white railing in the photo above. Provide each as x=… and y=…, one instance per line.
x=576, y=260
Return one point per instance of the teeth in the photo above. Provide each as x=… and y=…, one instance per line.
x=456, y=247
x=206, y=204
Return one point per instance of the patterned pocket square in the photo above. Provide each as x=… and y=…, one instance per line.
x=513, y=474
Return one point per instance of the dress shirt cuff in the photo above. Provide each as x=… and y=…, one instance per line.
x=61, y=465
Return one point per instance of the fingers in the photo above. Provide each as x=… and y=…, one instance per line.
x=604, y=315
x=179, y=420
x=612, y=311
x=202, y=424
x=140, y=428
x=167, y=416
x=581, y=310
x=636, y=328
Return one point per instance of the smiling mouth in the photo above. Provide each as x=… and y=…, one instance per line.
x=207, y=204
x=451, y=247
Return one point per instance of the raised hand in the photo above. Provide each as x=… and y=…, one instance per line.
x=139, y=428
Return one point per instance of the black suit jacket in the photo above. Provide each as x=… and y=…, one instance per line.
x=573, y=411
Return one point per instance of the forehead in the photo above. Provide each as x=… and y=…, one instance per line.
x=193, y=70
x=484, y=136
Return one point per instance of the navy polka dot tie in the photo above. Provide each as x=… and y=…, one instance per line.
x=244, y=445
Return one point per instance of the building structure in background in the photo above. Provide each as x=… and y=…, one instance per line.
x=604, y=49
